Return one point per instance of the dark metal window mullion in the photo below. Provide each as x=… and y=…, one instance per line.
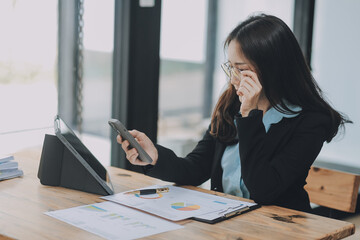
x=210, y=57
x=303, y=26
x=135, y=71
x=67, y=59
x=120, y=75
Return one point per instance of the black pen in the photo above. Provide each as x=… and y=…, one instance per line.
x=149, y=191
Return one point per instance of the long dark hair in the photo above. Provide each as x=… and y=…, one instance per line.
x=271, y=47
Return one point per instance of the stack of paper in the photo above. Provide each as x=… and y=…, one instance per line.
x=9, y=168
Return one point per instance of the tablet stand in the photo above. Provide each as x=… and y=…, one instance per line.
x=59, y=167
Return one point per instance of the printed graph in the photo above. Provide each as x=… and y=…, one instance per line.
x=115, y=216
x=181, y=206
x=93, y=208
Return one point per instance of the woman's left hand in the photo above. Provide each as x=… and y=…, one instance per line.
x=249, y=92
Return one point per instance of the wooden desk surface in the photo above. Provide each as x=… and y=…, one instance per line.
x=23, y=202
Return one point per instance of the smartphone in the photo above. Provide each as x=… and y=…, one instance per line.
x=123, y=132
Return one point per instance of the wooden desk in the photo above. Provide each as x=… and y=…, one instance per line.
x=24, y=200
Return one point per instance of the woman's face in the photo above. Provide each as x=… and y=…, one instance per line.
x=237, y=62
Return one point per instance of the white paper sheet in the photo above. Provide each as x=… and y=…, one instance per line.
x=177, y=204
x=113, y=221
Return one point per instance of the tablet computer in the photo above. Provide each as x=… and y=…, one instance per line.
x=82, y=154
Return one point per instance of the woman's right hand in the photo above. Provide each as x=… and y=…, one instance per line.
x=132, y=154
x=248, y=90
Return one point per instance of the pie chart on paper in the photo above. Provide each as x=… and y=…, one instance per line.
x=181, y=206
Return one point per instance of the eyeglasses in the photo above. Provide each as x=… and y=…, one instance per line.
x=231, y=71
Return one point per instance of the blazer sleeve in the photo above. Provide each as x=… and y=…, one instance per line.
x=194, y=169
x=268, y=173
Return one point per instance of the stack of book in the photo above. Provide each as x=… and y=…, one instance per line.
x=9, y=168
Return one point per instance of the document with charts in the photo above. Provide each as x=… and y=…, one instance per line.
x=113, y=221
x=179, y=203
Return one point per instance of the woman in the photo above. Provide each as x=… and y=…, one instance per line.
x=267, y=128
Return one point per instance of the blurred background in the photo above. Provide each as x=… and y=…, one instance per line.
x=155, y=65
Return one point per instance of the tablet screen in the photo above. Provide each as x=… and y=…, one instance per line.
x=62, y=130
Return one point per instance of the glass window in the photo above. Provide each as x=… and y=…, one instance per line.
x=335, y=63
x=182, y=58
x=28, y=67
x=98, y=44
x=98, y=52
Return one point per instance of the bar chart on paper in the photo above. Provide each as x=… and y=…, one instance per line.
x=113, y=221
x=93, y=208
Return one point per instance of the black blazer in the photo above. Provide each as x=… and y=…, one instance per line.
x=274, y=165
